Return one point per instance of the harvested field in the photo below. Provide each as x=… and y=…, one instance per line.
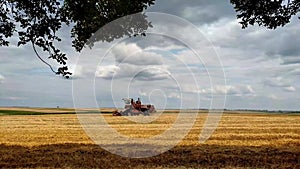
x=240, y=141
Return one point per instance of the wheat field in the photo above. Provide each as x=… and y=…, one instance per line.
x=242, y=140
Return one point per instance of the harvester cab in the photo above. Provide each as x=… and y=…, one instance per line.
x=134, y=108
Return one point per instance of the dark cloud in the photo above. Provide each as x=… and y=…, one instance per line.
x=290, y=60
x=284, y=43
x=295, y=72
x=154, y=40
x=279, y=83
x=196, y=11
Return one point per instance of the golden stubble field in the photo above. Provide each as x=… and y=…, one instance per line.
x=241, y=141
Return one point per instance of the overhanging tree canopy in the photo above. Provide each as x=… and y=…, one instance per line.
x=38, y=21
x=268, y=13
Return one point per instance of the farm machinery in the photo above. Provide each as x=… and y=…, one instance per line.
x=133, y=108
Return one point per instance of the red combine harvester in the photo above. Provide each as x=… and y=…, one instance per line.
x=133, y=108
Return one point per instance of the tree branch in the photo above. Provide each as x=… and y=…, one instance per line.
x=42, y=59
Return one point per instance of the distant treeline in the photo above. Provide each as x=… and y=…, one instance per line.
x=265, y=111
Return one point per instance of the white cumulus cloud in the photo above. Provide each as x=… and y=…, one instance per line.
x=290, y=88
x=142, y=73
x=135, y=55
x=239, y=90
x=107, y=72
x=1, y=79
x=131, y=61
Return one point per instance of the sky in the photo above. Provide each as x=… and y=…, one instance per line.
x=197, y=57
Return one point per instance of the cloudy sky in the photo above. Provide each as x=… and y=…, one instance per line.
x=193, y=60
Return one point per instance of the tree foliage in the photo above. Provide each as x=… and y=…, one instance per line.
x=267, y=13
x=38, y=21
